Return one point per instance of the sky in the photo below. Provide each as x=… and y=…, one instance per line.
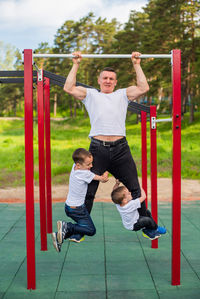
x=24, y=24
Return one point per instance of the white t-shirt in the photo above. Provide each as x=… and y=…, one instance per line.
x=107, y=112
x=129, y=213
x=78, y=183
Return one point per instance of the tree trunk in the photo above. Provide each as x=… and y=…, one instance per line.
x=160, y=94
x=85, y=113
x=55, y=105
x=170, y=104
x=191, y=113
x=15, y=107
x=192, y=64
x=184, y=97
x=70, y=108
x=75, y=106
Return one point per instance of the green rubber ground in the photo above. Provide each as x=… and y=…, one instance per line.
x=115, y=263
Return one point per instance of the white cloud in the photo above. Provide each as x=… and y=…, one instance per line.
x=39, y=13
x=121, y=11
x=54, y=13
x=39, y=19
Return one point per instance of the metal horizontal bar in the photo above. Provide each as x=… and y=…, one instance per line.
x=6, y=74
x=163, y=120
x=14, y=80
x=56, y=83
x=53, y=76
x=101, y=56
x=60, y=80
x=11, y=80
x=134, y=110
x=139, y=107
x=11, y=73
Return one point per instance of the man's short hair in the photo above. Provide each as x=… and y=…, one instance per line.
x=117, y=195
x=108, y=69
x=80, y=154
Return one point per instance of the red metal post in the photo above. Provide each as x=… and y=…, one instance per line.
x=154, y=200
x=29, y=169
x=176, y=188
x=144, y=152
x=48, y=154
x=40, y=93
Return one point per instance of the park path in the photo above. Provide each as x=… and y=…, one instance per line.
x=190, y=191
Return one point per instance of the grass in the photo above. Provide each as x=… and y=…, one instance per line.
x=67, y=135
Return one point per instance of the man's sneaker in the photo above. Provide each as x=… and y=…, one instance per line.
x=56, y=244
x=62, y=230
x=161, y=230
x=150, y=234
x=76, y=240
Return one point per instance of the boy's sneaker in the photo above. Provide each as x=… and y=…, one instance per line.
x=76, y=240
x=56, y=244
x=62, y=230
x=150, y=234
x=161, y=230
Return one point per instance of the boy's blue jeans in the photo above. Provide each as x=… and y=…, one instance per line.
x=84, y=224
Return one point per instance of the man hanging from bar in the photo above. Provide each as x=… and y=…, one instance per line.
x=107, y=112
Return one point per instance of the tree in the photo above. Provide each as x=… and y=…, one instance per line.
x=7, y=56
x=10, y=94
x=161, y=27
x=191, y=26
x=88, y=35
x=177, y=27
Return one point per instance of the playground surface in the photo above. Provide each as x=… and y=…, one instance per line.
x=115, y=263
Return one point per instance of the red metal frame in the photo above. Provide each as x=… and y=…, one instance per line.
x=144, y=152
x=176, y=189
x=29, y=169
x=29, y=165
x=154, y=198
x=43, y=228
x=48, y=154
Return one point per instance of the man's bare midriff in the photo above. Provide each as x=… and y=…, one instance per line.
x=108, y=138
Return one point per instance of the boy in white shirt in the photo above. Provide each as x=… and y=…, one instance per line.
x=80, y=177
x=128, y=209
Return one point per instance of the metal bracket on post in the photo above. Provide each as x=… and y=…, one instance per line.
x=153, y=122
x=40, y=75
x=171, y=59
x=39, y=71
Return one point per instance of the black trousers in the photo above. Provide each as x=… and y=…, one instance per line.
x=145, y=222
x=116, y=159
